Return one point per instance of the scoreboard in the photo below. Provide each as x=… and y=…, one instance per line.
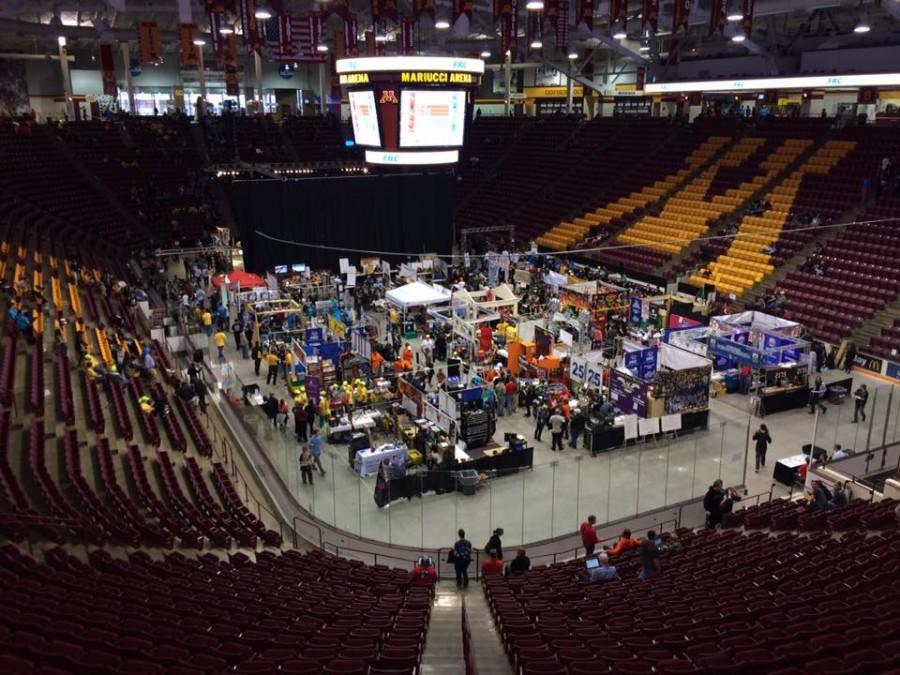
x=410, y=110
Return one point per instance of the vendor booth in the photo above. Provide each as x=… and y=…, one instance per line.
x=412, y=299
x=593, y=303
x=663, y=385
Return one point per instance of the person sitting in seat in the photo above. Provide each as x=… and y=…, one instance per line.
x=603, y=572
x=625, y=543
x=424, y=572
x=492, y=566
x=521, y=563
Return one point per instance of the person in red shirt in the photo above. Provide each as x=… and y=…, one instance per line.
x=589, y=535
x=492, y=566
x=423, y=573
x=512, y=390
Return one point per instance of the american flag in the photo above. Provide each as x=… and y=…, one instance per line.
x=295, y=38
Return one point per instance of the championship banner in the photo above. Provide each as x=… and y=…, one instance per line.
x=551, y=13
x=108, y=70
x=650, y=12
x=190, y=53
x=585, y=10
x=384, y=9
x=407, y=35
x=230, y=65
x=718, y=10
x=618, y=11
x=461, y=7
x=509, y=26
x=351, y=39
x=249, y=24
x=497, y=9
x=421, y=7
x=747, y=21
x=681, y=12
x=534, y=31
x=149, y=48
x=562, y=27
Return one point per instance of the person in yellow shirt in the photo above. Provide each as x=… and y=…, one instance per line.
x=324, y=409
x=272, y=375
x=206, y=320
x=219, y=339
x=287, y=363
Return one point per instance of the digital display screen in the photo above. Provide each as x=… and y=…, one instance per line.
x=432, y=118
x=364, y=115
x=297, y=267
x=281, y=269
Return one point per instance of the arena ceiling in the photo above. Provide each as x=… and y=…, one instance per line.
x=780, y=27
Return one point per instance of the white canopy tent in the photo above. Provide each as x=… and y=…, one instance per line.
x=418, y=294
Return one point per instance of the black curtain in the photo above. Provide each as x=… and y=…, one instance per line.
x=409, y=213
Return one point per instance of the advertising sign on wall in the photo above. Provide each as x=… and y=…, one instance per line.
x=629, y=395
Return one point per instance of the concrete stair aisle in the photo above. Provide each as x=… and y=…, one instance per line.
x=444, y=646
x=872, y=328
x=490, y=656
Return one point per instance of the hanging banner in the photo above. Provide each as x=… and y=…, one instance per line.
x=370, y=43
x=681, y=12
x=190, y=53
x=718, y=10
x=639, y=79
x=562, y=27
x=421, y=7
x=496, y=9
x=747, y=11
x=339, y=7
x=384, y=9
x=407, y=35
x=149, y=47
x=551, y=14
x=461, y=7
x=278, y=37
x=249, y=25
x=230, y=65
x=618, y=11
x=534, y=31
x=351, y=39
x=585, y=9
x=509, y=25
x=650, y=12
x=108, y=70
x=306, y=34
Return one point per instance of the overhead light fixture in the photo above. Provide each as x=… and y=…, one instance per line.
x=199, y=42
x=381, y=38
x=263, y=14
x=442, y=24
x=734, y=16
x=61, y=40
x=322, y=48
x=485, y=54
x=534, y=5
x=644, y=47
x=738, y=37
x=536, y=44
x=619, y=34
x=226, y=30
x=862, y=27
x=573, y=56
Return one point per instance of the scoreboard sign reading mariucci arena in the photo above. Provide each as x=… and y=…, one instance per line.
x=410, y=110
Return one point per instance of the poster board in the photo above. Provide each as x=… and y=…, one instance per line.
x=648, y=426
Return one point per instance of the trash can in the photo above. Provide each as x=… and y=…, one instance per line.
x=468, y=481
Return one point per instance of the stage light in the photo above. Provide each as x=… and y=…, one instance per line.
x=734, y=16
x=573, y=56
x=485, y=54
x=738, y=37
x=442, y=24
x=263, y=14
x=199, y=42
x=322, y=48
x=534, y=5
x=862, y=27
x=537, y=44
x=226, y=30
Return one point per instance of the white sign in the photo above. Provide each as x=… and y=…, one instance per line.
x=577, y=369
x=631, y=427
x=565, y=337
x=812, y=82
x=593, y=376
x=373, y=64
x=344, y=265
x=413, y=158
x=671, y=422
x=648, y=426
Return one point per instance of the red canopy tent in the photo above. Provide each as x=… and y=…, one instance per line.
x=245, y=279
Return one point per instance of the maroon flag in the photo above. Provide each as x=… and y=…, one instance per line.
x=718, y=10
x=747, y=21
x=585, y=9
x=407, y=35
x=509, y=26
x=497, y=9
x=461, y=7
x=650, y=12
x=149, y=46
x=108, y=70
x=618, y=11
x=249, y=25
x=384, y=9
x=190, y=54
x=351, y=32
x=681, y=12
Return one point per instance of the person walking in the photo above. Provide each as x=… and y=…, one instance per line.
x=462, y=558
x=860, y=398
x=495, y=544
x=500, y=394
x=300, y=420
x=850, y=357
x=589, y=537
x=512, y=394
x=762, y=438
x=816, y=395
x=576, y=427
x=306, y=465
x=272, y=375
x=557, y=425
x=220, y=339
x=315, y=444
x=541, y=415
x=257, y=354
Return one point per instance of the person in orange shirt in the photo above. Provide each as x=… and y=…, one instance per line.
x=377, y=360
x=407, y=354
x=625, y=543
x=492, y=566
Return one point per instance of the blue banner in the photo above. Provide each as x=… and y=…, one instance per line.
x=629, y=395
x=737, y=352
x=642, y=363
x=637, y=307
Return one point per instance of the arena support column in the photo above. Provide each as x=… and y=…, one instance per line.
x=508, y=95
x=257, y=63
x=66, y=76
x=129, y=82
